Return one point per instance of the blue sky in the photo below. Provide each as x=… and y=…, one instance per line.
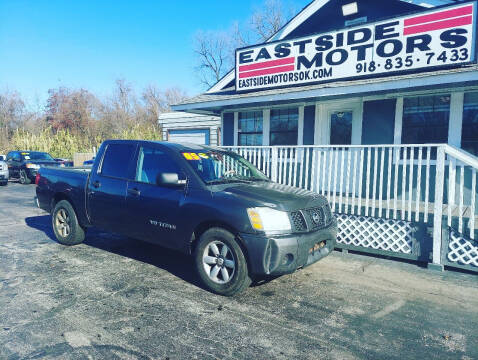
x=89, y=44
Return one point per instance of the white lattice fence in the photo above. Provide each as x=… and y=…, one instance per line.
x=375, y=233
x=462, y=250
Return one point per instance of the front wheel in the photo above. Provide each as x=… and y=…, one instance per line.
x=65, y=224
x=220, y=262
x=24, y=179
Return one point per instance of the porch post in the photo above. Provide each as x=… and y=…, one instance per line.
x=266, y=126
x=274, y=164
x=456, y=118
x=300, y=126
x=437, y=211
x=236, y=127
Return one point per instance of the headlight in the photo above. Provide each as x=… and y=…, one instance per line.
x=32, y=166
x=267, y=219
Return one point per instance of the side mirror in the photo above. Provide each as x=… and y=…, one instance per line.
x=168, y=179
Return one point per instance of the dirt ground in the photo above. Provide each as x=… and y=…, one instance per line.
x=118, y=298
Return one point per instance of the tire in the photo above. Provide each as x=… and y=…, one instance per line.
x=220, y=263
x=24, y=178
x=5, y=183
x=65, y=224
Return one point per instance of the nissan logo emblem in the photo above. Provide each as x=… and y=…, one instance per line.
x=316, y=217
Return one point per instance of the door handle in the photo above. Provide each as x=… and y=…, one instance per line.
x=96, y=184
x=134, y=192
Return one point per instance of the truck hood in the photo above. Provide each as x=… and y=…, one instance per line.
x=270, y=194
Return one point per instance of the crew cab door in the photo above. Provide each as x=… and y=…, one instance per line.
x=107, y=188
x=153, y=209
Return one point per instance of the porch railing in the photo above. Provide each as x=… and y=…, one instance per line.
x=415, y=185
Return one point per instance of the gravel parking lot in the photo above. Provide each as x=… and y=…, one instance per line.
x=117, y=298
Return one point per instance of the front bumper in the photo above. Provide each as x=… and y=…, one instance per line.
x=31, y=173
x=4, y=175
x=278, y=255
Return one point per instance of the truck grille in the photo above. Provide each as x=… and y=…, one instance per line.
x=298, y=221
x=311, y=219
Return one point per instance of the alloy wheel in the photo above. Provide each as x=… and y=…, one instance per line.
x=218, y=262
x=63, y=223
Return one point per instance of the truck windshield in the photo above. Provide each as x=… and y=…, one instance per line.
x=39, y=156
x=216, y=167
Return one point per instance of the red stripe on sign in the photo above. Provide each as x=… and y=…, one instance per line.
x=445, y=24
x=439, y=16
x=275, y=70
x=267, y=64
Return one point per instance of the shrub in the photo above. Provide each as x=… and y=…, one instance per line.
x=63, y=144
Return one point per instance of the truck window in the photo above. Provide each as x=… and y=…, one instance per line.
x=116, y=160
x=152, y=162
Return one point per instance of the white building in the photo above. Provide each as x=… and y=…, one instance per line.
x=193, y=128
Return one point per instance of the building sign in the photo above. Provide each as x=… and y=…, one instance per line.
x=432, y=39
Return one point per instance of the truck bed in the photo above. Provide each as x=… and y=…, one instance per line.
x=71, y=182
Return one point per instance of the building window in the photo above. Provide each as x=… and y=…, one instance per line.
x=469, y=132
x=426, y=119
x=284, y=126
x=250, y=128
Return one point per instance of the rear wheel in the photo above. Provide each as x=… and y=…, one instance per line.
x=65, y=224
x=24, y=178
x=220, y=262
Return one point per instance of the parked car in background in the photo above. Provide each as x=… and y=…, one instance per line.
x=3, y=172
x=24, y=165
x=89, y=162
x=209, y=203
x=64, y=162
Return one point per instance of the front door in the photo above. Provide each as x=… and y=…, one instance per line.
x=154, y=209
x=341, y=125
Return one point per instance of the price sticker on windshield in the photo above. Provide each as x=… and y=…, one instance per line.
x=191, y=156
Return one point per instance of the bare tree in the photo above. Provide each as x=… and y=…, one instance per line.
x=215, y=50
x=73, y=110
x=174, y=95
x=157, y=101
x=13, y=115
x=12, y=110
x=120, y=110
x=268, y=20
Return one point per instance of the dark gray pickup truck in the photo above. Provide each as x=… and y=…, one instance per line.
x=203, y=201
